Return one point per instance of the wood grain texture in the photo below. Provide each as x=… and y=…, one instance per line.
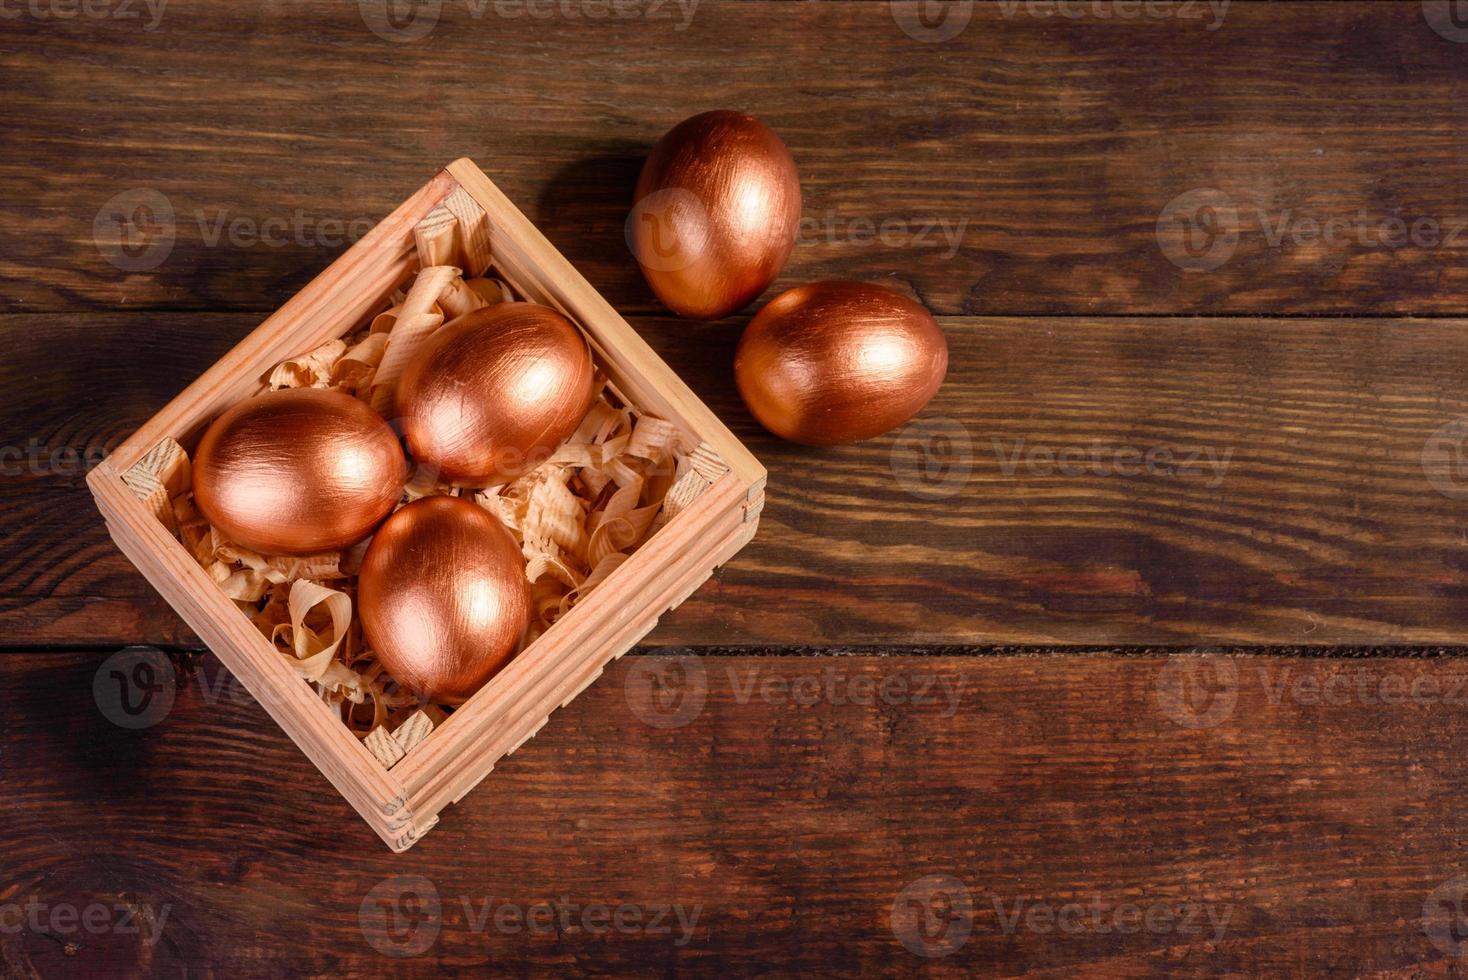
x=1297, y=816
x=1286, y=501
x=1020, y=166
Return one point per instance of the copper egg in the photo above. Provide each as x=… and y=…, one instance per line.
x=443, y=597
x=839, y=361
x=298, y=471
x=491, y=394
x=715, y=214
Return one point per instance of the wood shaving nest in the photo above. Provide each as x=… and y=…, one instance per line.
x=577, y=517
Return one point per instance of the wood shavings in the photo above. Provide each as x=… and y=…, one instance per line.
x=465, y=297
x=578, y=516
x=314, y=370
x=581, y=513
x=420, y=316
x=357, y=366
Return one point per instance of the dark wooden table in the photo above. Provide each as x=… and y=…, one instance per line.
x=1138, y=653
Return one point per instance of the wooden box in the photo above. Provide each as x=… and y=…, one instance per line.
x=401, y=798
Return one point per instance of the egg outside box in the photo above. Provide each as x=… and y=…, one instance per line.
x=399, y=781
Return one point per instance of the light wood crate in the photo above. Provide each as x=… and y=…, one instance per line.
x=401, y=792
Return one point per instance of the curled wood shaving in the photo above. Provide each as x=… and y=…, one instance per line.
x=465, y=297
x=359, y=364
x=384, y=321
x=420, y=316
x=313, y=370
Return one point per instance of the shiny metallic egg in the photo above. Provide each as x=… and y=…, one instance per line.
x=298, y=471
x=715, y=214
x=443, y=597
x=839, y=361
x=491, y=394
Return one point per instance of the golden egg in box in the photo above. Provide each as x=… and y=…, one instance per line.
x=298, y=471
x=492, y=393
x=443, y=597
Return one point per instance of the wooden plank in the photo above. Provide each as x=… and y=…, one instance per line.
x=1020, y=166
x=1266, y=817
x=1307, y=516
